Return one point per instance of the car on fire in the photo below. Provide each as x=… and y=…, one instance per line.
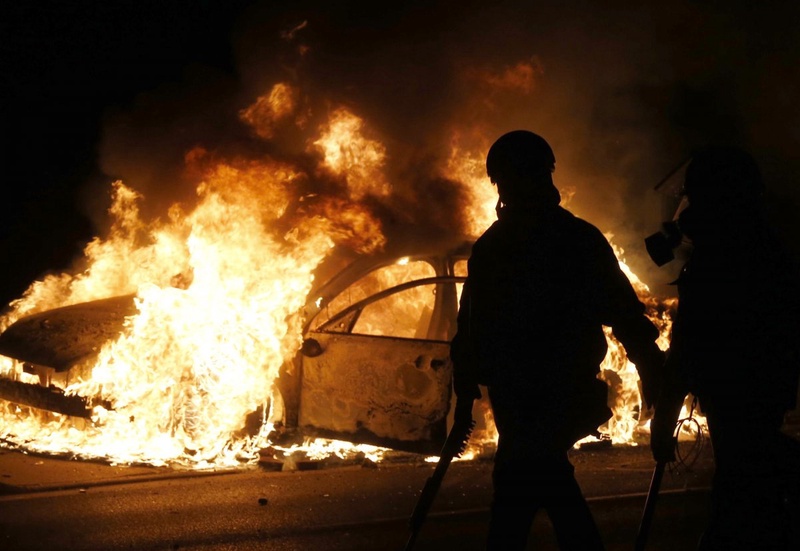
x=373, y=368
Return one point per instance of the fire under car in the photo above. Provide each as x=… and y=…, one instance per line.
x=373, y=368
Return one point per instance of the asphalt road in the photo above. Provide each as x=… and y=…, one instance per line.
x=57, y=504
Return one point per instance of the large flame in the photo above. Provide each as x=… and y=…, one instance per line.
x=218, y=288
x=347, y=152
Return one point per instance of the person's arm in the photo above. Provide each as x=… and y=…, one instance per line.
x=463, y=352
x=626, y=315
x=669, y=403
x=638, y=336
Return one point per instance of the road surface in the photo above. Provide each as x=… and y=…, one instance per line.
x=57, y=504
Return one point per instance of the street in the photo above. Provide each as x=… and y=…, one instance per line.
x=49, y=503
x=228, y=220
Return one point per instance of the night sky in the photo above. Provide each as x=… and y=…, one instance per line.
x=94, y=91
x=63, y=66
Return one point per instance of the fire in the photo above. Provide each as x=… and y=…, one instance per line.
x=620, y=373
x=270, y=110
x=469, y=167
x=348, y=153
x=218, y=288
x=200, y=356
x=399, y=314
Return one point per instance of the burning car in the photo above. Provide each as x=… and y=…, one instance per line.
x=295, y=294
x=373, y=366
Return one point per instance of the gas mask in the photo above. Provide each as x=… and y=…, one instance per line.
x=662, y=244
x=726, y=189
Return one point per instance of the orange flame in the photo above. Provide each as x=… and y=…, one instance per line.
x=218, y=288
x=270, y=109
x=349, y=154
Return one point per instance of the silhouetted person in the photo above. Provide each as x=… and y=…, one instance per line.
x=541, y=285
x=734, y=347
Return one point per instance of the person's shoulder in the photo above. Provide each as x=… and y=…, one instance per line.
x=487, y=238
x=495, y=230
x=581, y=226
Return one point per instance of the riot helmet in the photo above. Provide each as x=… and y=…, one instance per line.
x=521, y=164
x=722, y=192
x=721, y=177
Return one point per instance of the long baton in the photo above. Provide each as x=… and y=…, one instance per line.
x=649, y=506
x=453, y=447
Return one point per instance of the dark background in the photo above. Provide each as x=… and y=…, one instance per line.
x=94, y=91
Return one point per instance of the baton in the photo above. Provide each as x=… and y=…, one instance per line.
x=649, y=506
x=453, y=447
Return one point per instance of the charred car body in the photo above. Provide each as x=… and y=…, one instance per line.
x=374, y=366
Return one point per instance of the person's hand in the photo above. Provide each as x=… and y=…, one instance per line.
x=466, y=388
x=662, y=439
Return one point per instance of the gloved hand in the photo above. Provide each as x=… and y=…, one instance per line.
x=465, y=387
x=662, y=439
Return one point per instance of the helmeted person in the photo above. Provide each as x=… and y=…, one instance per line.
x=734, y=346
x=541, y=285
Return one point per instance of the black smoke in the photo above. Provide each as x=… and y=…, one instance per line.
x=623, y=91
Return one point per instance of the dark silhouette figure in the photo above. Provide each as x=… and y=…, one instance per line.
x=541, y=285
x=735, y=347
